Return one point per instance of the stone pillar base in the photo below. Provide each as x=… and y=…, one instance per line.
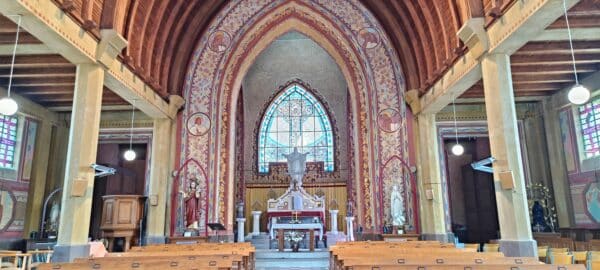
x=69, y=253
x=155, y=239
x=444, y=238
x=516, y=248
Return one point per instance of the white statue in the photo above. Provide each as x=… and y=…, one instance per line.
x=296, y=167
x=397, y=204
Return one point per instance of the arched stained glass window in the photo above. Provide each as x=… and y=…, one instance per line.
x=295, y=119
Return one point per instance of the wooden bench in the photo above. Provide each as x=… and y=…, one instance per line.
x=470, y=267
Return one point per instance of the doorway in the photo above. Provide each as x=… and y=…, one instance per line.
x=472, y=195
x=129, y=179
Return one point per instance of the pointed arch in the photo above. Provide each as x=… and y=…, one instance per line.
x=296, y=117
x=356, y=42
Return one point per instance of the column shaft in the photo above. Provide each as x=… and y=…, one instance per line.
x=159, y=174
x=431, y=200
x=513, y=212
x=79, y=176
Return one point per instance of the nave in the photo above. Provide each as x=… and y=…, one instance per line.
x=300, y=134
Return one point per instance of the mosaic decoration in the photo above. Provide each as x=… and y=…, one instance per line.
x=374, y=80
x=389, y=120
x=219, y=41
x=368, y=38
x=592, y=201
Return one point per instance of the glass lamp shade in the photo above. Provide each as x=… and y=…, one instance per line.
x=578, y=94
x=129, y=155
x=8, y=106
x=458, y=149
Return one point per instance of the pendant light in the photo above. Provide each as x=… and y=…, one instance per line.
x=578, y=94
x=9, y=106
x=457, y=149
x=129, y=155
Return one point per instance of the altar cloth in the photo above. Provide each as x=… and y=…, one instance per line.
x=297, y=226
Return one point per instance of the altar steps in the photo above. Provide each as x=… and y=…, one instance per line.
x=303, y=260
x=261, y=241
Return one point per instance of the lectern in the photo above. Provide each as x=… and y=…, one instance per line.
x=121, y=215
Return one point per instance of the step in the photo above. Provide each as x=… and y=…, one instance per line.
x=296, y=263
x=303, y=254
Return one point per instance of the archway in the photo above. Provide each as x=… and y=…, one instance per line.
x=350, y=34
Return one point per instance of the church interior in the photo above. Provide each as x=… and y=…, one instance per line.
x=300, y=134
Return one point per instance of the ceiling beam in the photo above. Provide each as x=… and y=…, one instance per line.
x=520, y=22
x=562, y=34
x=26, y=49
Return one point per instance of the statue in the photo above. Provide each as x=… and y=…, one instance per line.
x=296, y=167
x=54, y=215
x=191, y=201
x=397, y=204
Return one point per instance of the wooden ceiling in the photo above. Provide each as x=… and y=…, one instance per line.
x=47, y=78
x=163, y=34
x=542, y=68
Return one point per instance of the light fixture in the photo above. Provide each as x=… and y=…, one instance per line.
x=457, y=149
x=9, y=106
x=129, y=155
x=578, y=94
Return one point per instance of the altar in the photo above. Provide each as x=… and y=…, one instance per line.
x=296, y=209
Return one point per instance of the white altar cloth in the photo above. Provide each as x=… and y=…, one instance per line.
x=298, y=226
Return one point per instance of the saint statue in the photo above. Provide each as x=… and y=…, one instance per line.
x=296, y=162
x=54, y=215
x=397, y=204
x=191, y=201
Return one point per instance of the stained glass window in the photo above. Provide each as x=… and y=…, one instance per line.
x=589, y=120
x=8, y=141
x=295, y=119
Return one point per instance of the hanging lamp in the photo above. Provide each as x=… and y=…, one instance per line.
x=457, y=149
x=9, y=106
x=578, y=94
x=129, y=155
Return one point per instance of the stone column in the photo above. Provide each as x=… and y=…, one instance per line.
x=256, y=222
x=334, y=227
x=350, y=229
x=431, y=200
x=159, y=176
x=79, y=176
x=240, y=229
x=511, y=198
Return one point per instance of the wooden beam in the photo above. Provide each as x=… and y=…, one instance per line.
x=559, y=59
x=519, y=24
x=543, y=78
x=553, y=69
x=26, y=49
x=562, y=34
x=67, y=37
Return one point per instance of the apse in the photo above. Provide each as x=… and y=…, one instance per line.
x=293, y=95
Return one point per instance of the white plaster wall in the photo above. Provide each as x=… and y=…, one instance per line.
x=294, y=56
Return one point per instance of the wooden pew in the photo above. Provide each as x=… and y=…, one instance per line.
x=138, y=265
x=438, y=260
x=471, y=267
x=221, y=261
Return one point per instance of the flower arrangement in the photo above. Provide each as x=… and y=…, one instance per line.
x=294, y=237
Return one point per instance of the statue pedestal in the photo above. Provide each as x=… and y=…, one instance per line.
x=256, y=222
x=334, y=225
x=350, y=229
x=240, y=229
